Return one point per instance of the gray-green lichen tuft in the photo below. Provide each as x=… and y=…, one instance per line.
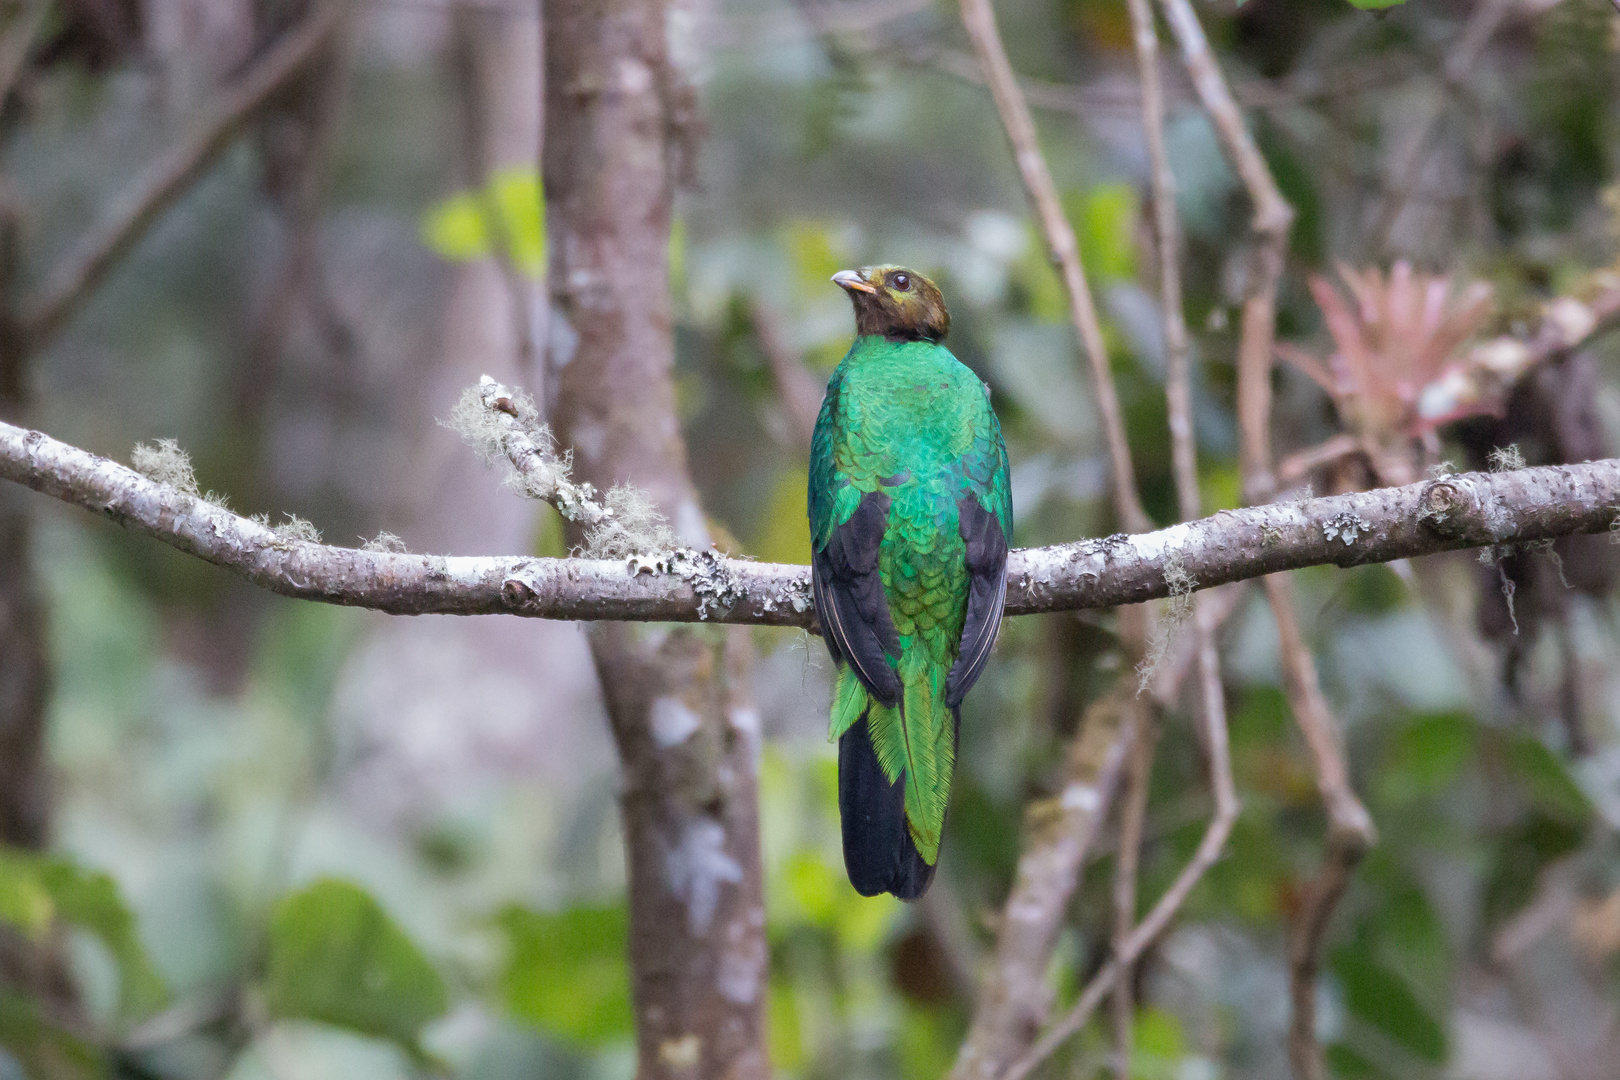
x=505, y=426
x=166, y=463
x=1506, y=458
x=296, y=528
x=632, y=525
x=384, y=542
x=1178, y=608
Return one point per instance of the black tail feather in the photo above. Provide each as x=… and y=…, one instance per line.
x=879, y=853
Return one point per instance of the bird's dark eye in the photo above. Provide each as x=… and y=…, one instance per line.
x=901, y=282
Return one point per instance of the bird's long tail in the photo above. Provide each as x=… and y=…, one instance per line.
x=894, y=774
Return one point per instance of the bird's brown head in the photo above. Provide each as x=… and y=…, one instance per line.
x=895, y=302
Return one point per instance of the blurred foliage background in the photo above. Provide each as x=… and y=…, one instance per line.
x=294, y=841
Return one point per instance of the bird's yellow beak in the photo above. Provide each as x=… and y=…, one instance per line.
x=852, y=280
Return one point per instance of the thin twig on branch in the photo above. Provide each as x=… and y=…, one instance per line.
x=1444, y=514
x=980, y=21
x=1350, y=830
x=19, y=37
x=1014, y=993
x=1014, y=998
x=1482, y=24
x=167, y=178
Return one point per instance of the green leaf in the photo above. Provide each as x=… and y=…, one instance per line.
x=566, y=972
x=336, y=957
x=1104, y=219
x=1547, y=780
x=40, y=1047
x=90, y=900
x=37, y=890
x=1378, y=996
x=511, y=206
x=1427, y=756
x=24, y=901
x=1346, y=1064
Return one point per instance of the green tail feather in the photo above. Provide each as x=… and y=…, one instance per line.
x=918, y=738
x=849, y=701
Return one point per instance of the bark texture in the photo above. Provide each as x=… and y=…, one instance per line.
x=615, y=107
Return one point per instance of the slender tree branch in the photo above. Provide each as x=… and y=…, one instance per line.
x=1271, y=221
x=19, y=38
x=1154, y=924
x=167, y=178
x=522, y=293
x=1015, y=998
x=1184, y=459
x=980, y=21
x=1167, y=238
x=1301, y=463
x=1132, y=815
x=1446, y=514
x=1482, y=24
x=798, y=391
x=1350, y=830
x=1014, y=995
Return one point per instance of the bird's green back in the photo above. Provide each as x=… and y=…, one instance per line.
x=907, y=420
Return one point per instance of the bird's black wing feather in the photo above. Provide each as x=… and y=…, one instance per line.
x=850, y=602
x=987, y=595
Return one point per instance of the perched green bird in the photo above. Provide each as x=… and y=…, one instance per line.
x=910, y=517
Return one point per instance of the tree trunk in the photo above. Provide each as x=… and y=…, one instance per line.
x=24, y=663
x=687, y=736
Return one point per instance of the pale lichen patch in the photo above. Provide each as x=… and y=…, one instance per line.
x=166, y=463
x=294, y=529
x=384, y=542
x=683, y=1052
x=1177, y=610
x=697, y=867
x=1346, y=526
x=1506, y=458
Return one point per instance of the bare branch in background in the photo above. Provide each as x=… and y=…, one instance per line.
x=71, y=282
x=798, y=392
x=980, y=21
x=1184, y=459
x=1014, y=995
x=686, y=735
x=1155, y=922
x=1483, y=22
x=1132, y=815
x=523, y=295
x=1350, y=830
x=19, y=37
x=1271, y=220
x=1014, y=998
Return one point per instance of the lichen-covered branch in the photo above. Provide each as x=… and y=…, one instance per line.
x=683, y=585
